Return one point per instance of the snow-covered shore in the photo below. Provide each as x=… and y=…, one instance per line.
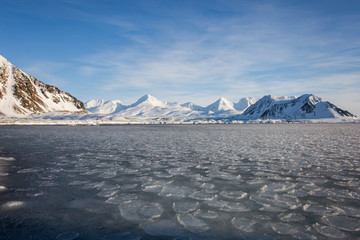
x=108, y=120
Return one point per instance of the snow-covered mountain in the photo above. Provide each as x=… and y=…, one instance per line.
x=306, y=106
x=102, y=107
x=221, y=105
x=193, y=106
x=94, y=103
x=22, y=94
x=146, y=106
x=149, y=106
x=244, y=103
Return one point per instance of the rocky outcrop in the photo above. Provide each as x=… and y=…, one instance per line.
x=306, y=106
x=22, y=94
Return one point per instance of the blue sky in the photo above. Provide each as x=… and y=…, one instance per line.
x=180, y=50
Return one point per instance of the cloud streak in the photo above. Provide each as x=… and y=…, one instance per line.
x=228, y=48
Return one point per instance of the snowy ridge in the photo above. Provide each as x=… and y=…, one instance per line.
x=102, y=107
x=22, y=94
x=244, y=103
x=221, y=105
x=149, y=106
x=306, y=106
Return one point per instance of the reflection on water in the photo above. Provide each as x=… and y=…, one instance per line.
x=180, y=182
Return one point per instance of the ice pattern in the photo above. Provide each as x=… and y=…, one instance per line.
x=289, y=181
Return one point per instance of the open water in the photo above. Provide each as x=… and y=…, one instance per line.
x=286, y=181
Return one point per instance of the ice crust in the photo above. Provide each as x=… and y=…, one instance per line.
x=186, y=182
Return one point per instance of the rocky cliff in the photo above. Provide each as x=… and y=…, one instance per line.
x=22, y=94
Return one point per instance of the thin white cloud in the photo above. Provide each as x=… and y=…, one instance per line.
x=269, y=50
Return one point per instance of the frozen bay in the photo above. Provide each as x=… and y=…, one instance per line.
x=281, y=181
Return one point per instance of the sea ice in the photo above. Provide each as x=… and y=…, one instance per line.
x=291, y=217
x=77, y=182
x=233, y=207
x=349, y=211
x=162, y=228
x=128, y=186
x=176, y=192
x=201, y=196
x=329, y=232
x=155, y=186
x=342, y=222
x=48, y=184
x=226, y=176
x=284, y=229
x=316, y=208
x=13, y=205
x=207, y=185
x=192, y=223
x=206, y=214
x=7, y=159
x=109, y=174
x=185, y=207
x=177, y=171
x=29, y=170
x=234, y=195
x=278, y=187
x=276, y=202
x=138, y=210
x=243, y=224
x=107, y=193
x=121, y=198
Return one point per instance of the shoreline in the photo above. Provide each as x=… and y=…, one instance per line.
x=161, y=121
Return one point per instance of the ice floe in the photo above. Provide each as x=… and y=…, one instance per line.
x=176, y=192
x=162, y=228
x=122, y=198
x=3, y=188
x=342, y=222
x=185, y=207
x=329, y=232
x=192, y=223
x=235, y=195
x=243, y=224
x=198, y=195
x=13, y=205
x=138, y=210
x=206, y=214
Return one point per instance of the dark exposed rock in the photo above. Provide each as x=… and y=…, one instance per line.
x=305, y=106
x=32, y=95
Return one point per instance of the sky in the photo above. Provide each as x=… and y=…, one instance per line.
x=188, y=50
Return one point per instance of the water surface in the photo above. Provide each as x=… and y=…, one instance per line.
x=290, y=181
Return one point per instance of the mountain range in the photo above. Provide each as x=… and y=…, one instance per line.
x=306, y=106
x=22, y=95
x=150, y=107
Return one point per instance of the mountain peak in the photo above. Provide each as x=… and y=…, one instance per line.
x=149, y=100
x=22, y=94
x=3, y=60
x=307, y=106
x=222, y=104
x=244, y=103
x=147, y=97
